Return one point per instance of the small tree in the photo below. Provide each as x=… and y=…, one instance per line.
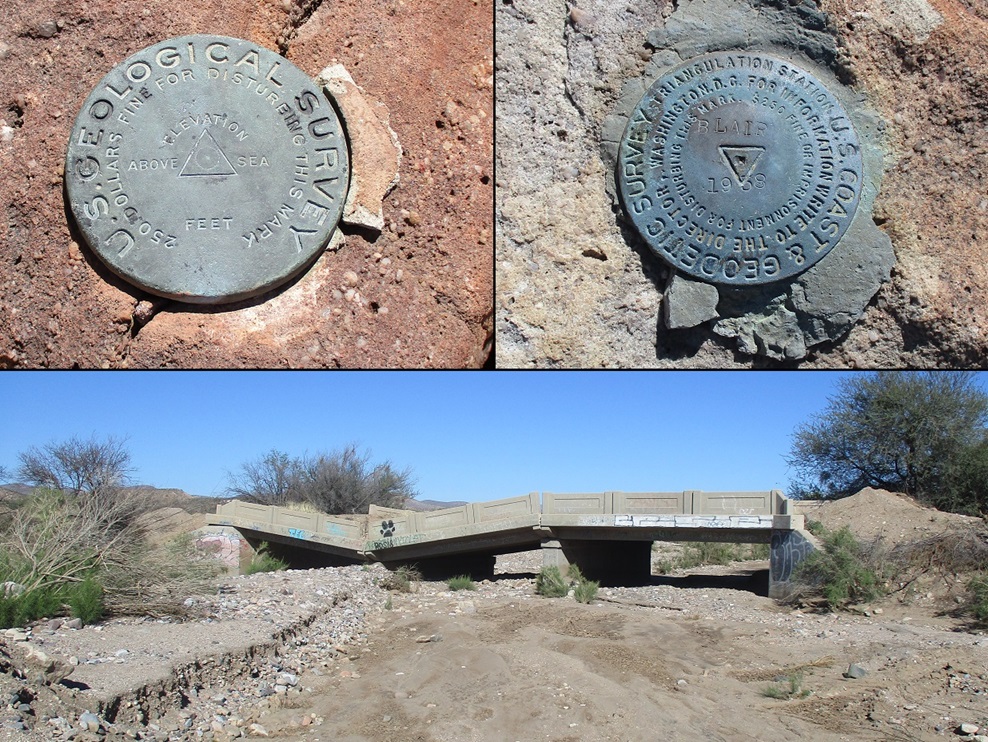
x=268, y=481
x=339, y=482
x=965, y=488
x=345, y=482
x=896, y=430
x=93, y=472
x=77, y=466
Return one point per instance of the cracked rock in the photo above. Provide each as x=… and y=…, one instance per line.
x=374, y=149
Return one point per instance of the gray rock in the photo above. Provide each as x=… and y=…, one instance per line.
x=90, y=722
x=73, y=623
x=38, y=665
x=688, y=303
x=287, y=678
x=967, y=728
x=14, y=724
x=47, y=29
x=11, y=589
x=855, y=672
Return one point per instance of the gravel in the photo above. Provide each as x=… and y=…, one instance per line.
x=262, y=641
x=208, y=677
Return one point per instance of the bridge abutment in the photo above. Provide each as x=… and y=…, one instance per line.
x=788, y=549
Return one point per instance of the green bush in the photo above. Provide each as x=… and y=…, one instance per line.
x=844, y=572
x=86, y=601
x=586, y=591
x=460, y=582
x=23, y=609
x=978, y=601
x=792, y=689
x=549, y=582
x=262, y=561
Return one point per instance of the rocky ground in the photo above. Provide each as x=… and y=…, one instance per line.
x=328, y=655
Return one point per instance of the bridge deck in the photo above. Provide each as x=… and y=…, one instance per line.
x=519, y=523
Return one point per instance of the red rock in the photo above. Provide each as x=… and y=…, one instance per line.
x=60, y=307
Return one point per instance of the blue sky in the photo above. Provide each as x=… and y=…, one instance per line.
x=466, y=436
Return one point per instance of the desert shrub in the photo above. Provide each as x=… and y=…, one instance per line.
x=791, y=688
x=77, y=543
x=945, y=554
x=665, y=566
x=844, y=572
x=977, y=604
x=460, y=582
x=815, y=527
x=585, y=591
x=86, y=601
x=23, y=609
x=263, y=561
x=549, y=582
x=156, y=581
x=401, y=579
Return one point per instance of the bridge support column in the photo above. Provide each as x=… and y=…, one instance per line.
x=789, y=548
x=608, y=562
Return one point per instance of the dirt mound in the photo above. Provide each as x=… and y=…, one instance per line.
x=165, y=524
x=873, y=513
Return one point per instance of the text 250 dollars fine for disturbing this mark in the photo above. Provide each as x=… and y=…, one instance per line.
x=207, y=169
x=740, y=168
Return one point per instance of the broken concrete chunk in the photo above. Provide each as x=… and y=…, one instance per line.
x=375, y=153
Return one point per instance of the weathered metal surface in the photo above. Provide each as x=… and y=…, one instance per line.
x=207, y=169
x=740, y=168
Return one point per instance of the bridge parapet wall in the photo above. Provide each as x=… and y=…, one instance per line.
x=507, y=508
x=650, y=503
x=264, y=517
x=689, y=502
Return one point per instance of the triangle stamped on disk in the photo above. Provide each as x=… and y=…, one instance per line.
x=741, y=160
x=206, y=158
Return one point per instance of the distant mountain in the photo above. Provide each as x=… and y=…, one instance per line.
x=172, y=497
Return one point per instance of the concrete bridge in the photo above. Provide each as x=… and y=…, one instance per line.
x=608, y=535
